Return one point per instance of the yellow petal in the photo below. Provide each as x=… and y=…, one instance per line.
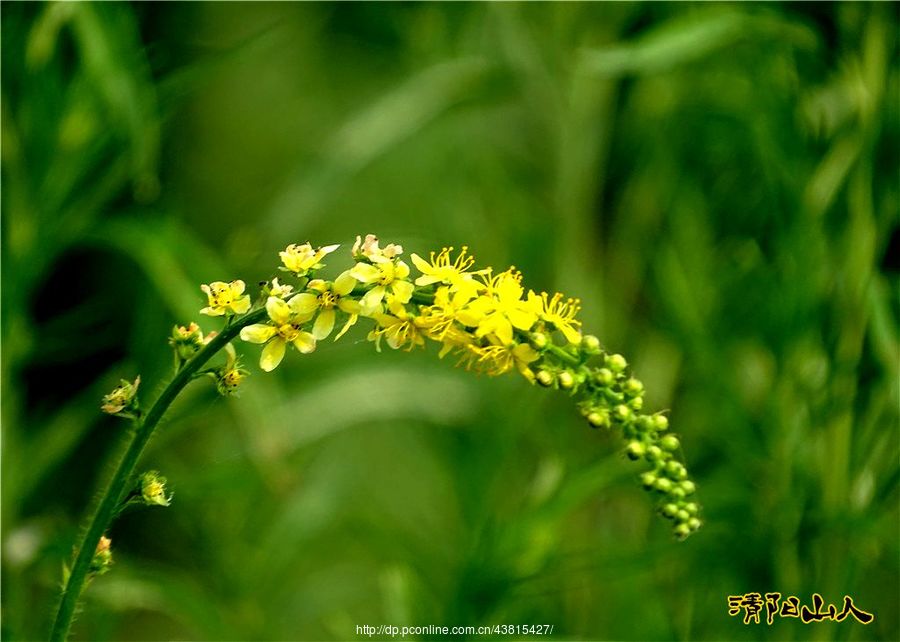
x=272, y=354
x=403, y=290
x=365, y=272
x=423, y=266
x=525, y=353
x=240, y=306
x=324, y=324
x=350, y=322
x=427, y=280
x=257, y=333
x=304, y=303
x=350, y=306
x=237, y=287
x=373, y=297
x=572, y=335
x=521, y=320
x=278, y=310
x=212, y=312
x=401, y=270
x=344, y=283
x=305, y=342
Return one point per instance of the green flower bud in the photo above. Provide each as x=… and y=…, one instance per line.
x=566, y=380
x=682, y=516
x=670, y=443
x=694, y=523
x=676, y=470
x=623, y=413
x=633, y=387
x=544, y=378
x=688, y=487
x=669, y=510
x=676, y=493
x=661, y=422
x=539, y=340
x=616, y=363
x=664, y=485
x=604, y=377
x=644, y=423
x=613, y=397
x=637, y=403
x=691, y=508
x=634, y=450
x=654, y=453
x=102, y=559
x=590, y=344
x=682, y=531
x=648, y=480
x=598, y=419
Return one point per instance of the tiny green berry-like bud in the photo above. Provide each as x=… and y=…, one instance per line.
x=598, y=419
x=648, y=480
x=676, y=470
x=616, y=362
x=633, y=387
x=634, y=450
x=623, y=412
x=539, y=340
x=670, y=443
x=663, y=485
x=637, y=403
x=682, y=516
x=676, y=493
x=590, y=344
x=682, y=531
x=566, y=380
x=669, y=510
x=654, y=453
x=693, y=523
x=153, y=489
x=544, y=378
x=688, y=487
x=604, y=377
x=661, y=422
x=691, y=508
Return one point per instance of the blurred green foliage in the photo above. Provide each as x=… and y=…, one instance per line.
x=717, y=182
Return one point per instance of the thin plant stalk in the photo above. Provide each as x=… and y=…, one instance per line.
x=119, y=485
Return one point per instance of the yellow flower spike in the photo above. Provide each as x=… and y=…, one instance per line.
x=300, y=259
x=441, y=269
x=224, y=298
x=561, y=314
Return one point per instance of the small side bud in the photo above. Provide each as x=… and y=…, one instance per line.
x=635, y=450
x=616, y=363
x=598, y=419
x=688, y=487
x=660, y=422
x=604, y=377
x=102, y=559
x=544, y=378
x=122, y=401
x=566, y=380
x=694, y=523
x=538, y=340
x=669, y=510
x=682, y=531
x=670, y=443
x=153, y=489
x=633, y=387
x=590, y=344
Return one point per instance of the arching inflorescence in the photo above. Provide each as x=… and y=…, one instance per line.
x=487, y=320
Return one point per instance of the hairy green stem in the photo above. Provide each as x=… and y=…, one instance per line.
x=118, y=485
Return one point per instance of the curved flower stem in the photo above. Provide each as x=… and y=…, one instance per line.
x=118, y=486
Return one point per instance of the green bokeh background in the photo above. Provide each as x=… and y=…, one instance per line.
x=717, y=182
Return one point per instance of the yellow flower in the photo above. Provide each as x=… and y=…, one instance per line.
x=324, y=299
x=561, y=314
x=388, y=277
x=449, y=307
x=122, y=397
x=287, y=318
x=225, y=298
x=497, y=359
x=501, y=308
x=299, y=259
x=398, y=328
x=369, y=249
x=440, y=269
